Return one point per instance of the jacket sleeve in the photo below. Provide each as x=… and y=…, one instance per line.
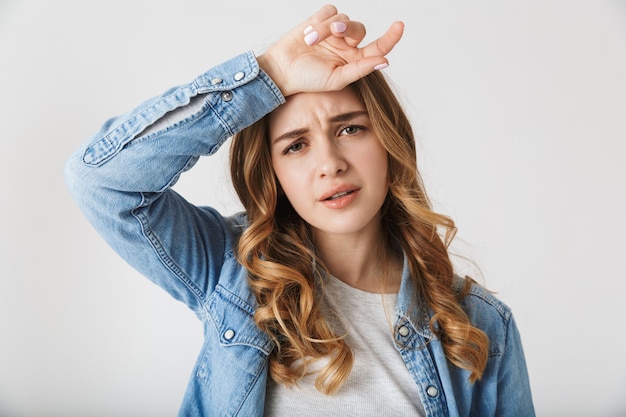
x=514, y=396
x=504, y=388
x=121, y=178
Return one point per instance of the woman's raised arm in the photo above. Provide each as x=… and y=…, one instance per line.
x=121, y=178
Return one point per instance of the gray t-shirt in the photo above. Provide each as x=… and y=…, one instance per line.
x=379, y=384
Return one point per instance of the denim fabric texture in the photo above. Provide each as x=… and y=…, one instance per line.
x=121, y=179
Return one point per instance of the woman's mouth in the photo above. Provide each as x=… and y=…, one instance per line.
x=339, y=195
x=340, y=198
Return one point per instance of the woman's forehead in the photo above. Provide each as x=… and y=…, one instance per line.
x=303, y=110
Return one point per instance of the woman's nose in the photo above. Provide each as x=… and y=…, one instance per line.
x=330, y=160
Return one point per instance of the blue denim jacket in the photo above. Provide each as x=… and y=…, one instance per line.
x=121, y=180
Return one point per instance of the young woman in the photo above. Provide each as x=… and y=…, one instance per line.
x=333, y=294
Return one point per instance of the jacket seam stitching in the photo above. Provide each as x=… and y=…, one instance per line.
x=162, y=254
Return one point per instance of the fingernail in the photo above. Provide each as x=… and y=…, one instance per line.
x=311, y=38
x=339, y=27
x=308, y=29
x=381, y=66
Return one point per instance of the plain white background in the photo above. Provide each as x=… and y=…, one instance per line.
x=520, y=108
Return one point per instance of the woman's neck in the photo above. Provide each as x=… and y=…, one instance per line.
x=364, y=261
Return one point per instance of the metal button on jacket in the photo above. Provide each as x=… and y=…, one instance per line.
x=229, y=334
x=227, y=95
x=239, y=76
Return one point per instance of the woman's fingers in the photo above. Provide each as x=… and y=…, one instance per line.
x=336, y=25
x=353, y=71
x=383, y=45
x=372, y=56
x=333, y=58
x=326, y=12
x=352, y=32
x=314, y=28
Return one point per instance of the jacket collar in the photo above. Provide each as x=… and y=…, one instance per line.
x=411, y=306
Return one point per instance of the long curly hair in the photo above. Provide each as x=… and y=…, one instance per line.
x=285, y=271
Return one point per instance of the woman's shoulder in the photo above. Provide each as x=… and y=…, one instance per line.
x=479, y=297
x=486, y=311
x=233, y=225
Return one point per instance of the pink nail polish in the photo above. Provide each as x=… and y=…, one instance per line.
x=311, y=38
x=308, y=29
x=339, y=27
x=381, y=66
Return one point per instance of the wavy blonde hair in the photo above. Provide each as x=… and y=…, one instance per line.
x=285, y=271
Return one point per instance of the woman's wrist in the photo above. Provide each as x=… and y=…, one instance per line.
x=268, y=65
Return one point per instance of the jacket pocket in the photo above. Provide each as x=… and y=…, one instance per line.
x=233, y=365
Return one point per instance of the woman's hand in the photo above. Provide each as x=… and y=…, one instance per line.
x=323, y=53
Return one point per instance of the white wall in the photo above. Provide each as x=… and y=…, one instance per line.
x=521, y=111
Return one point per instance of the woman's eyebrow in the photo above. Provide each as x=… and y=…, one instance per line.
x=292, y=134
x=343, y=117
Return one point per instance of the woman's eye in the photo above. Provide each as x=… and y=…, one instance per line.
x=295, y=147
x=351, y=130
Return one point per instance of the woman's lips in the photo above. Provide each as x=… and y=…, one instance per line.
x=340, y=198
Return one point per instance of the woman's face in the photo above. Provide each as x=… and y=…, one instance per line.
x=329, y=162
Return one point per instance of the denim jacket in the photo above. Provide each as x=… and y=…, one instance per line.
x=121, y=179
